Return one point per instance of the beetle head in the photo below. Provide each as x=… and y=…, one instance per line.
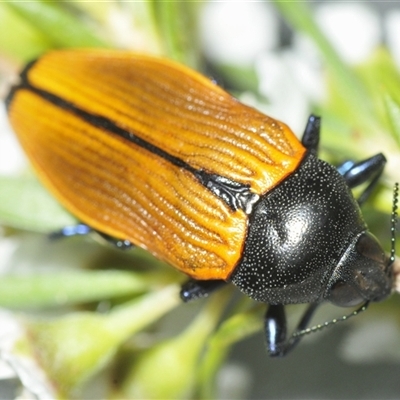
x=363, y=274
x=307, y=242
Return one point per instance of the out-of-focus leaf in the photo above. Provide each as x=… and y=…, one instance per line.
x=393, y=114
x=176, y=21
x=169, y=369
x=58, y=25
x=67, y=288
x=25, y=204
x=72, y=348
x=241, y=78
x=350, y=90
x=232, y=330
x=20, y=40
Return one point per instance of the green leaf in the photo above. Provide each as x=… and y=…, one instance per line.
x=239, y=77
x=176, y=21
x=351, y=93
x=382, y=78
x=60, y=26
x=169, y=369
x=72, y=348
x=68, y=288
x=25, y=204
x=236, y=328
x=23, y=41
x=393, y=114
x=145, y=34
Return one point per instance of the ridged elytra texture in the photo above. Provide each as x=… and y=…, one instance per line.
x=130, y=191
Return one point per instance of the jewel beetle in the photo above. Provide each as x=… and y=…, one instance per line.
x=150, y=152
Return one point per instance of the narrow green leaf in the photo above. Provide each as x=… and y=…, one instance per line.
x=68, y=288
x=169, y=369
x=25, y=204
x=74, y=347
x=177, y=29
x=393, y=114
x=22, y=41
x=232, y=330
x=353, y=93
x=382, y=78
x=241, y=78
x=59, y=26
x=145, y=31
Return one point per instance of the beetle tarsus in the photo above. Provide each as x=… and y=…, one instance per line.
x=83, y=229
x=121, y=244
x=71, y=230
x=193, y=289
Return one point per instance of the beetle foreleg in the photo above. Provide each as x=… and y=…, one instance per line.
x=193, y=289
x=363, y=171
x=276, y=329
x=310, y=139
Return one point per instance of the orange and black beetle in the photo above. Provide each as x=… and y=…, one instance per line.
x=148, y=151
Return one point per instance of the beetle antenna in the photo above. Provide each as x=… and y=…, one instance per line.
x=394, y=223
x=297, y=334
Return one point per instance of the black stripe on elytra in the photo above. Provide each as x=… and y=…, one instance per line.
x=234, y=194
x=23, y=84
x=108, y=125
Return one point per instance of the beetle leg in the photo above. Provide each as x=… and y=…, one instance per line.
x=71, y=230
x=121, y=244
x=83, y=229
x=310, y=139
x=369, y=170
x=275, y=328
x=193, y=289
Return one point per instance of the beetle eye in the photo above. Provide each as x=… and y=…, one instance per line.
x=345, y=295
x=368, y=246
x=362, y=274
